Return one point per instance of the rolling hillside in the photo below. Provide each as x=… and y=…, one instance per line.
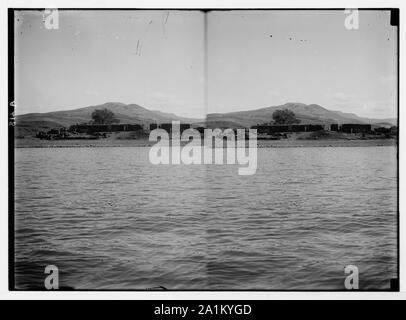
x=307, y=114
x=29, y=124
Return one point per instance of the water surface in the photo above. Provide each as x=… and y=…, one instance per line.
x=108, y=219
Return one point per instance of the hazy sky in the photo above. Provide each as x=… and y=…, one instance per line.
x=310, y=58
x=145, y=57
x=255, y=59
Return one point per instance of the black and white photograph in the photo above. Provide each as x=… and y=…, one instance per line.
x=203, y=149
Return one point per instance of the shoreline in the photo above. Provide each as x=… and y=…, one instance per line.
x=111, y=143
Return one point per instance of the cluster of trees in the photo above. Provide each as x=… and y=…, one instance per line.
x=104, y=116
x=285, y=116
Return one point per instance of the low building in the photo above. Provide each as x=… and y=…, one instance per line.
x=271, y=129
x=279, y=128
x=394, y=130
x=201, y=130
x=334, y=127
x=168, y=126
x=382, y=130
x=355, y=128
x=300, y=128
x=315, y=127
x=184, y=126
x=97, y=128
x=262, y=129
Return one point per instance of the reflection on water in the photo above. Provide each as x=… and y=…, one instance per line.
x=110, y=220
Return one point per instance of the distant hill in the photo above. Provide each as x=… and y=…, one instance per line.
x=381, y=122
x=307, y=114
x=28, y=124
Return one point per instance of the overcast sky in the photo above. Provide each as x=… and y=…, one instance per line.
x=142, y=57
x=255, y=59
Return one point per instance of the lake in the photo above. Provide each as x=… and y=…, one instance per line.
x=108, y=219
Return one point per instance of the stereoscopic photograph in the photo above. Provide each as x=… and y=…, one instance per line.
x=204, y=150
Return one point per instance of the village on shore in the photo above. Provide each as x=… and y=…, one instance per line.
x=284, y=128
x=264, y=131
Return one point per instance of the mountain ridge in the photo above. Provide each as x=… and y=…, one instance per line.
x=307, y=114
x=29, y=123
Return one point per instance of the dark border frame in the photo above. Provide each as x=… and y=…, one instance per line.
x=395, y=12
